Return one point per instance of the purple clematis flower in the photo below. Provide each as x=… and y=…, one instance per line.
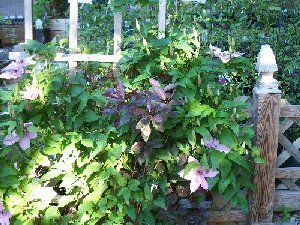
x=222, y=81
x=197, y=176
x=24, y=142
x=31, y=92
x=4, y=216
x=11, y=139
x=214, y=143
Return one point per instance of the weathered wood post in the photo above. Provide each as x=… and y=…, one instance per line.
x=266, y=96
x=28, y=20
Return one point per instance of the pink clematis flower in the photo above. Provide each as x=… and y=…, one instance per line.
x=214, y=143
x=197, y=176
x=4, y=216
x=31, y=92
x=24, y=142
x=224, y=56
x=14, y=70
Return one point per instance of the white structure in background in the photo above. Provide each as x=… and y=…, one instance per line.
x=196, y=1
x=266, y=65
x=12, y=9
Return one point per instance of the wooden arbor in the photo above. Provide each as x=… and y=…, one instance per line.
x=73, y=57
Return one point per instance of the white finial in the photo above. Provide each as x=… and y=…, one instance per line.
x=266, y=61
x=266, y=66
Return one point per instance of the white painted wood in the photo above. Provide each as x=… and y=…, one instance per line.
x=73, y=33
x=87, y=58
x=162, y=19
x=117, y=33
x=28, y=20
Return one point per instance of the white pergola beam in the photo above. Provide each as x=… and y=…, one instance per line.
x=87, y=58
x=28, y=20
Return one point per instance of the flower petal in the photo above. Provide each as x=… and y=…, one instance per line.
x=31, y=135
x=24, y=143
x=223, y=148
x=195, y=183
x=11, y=139
x=192, y=159
x=203, y=182
x=211, y=174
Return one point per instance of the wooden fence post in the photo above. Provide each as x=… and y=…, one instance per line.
x=266, y=96
x=28, y=20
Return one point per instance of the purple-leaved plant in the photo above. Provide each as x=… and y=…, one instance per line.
x=146, y=108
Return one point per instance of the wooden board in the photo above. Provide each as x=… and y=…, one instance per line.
x=226, y=216
x=290, y=172
x=290, y=111
x=287, y=199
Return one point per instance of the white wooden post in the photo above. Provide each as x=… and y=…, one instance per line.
x=117, y=39
x=162, y=19
x=28, y=20
x=117, y=33
x=73, y=33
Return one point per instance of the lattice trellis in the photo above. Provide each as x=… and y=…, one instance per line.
x=289, y=150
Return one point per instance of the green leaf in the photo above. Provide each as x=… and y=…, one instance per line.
x=91, y=168
x=160, y=202
x=125, y=193
x=87, y=143
x=11, y=125
x=91, y=116
x=216, y=158
x=85, y=207
x=66, y=199
x=192, y=138
x=50, y=215
x=133, y=185
x=9, y=181
x=203, y=131
x=147, y=192
x=149, y=218
x=184, y=46
x=238, y=159
x=226, y=168
x=204, y=161
x=76, y=90
x=130, y=211
x=259, y=160
x=197, y=109
x=223, y=184
x=243, y=201
x=227, y=138
x=212, y=182
x=7, y=171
